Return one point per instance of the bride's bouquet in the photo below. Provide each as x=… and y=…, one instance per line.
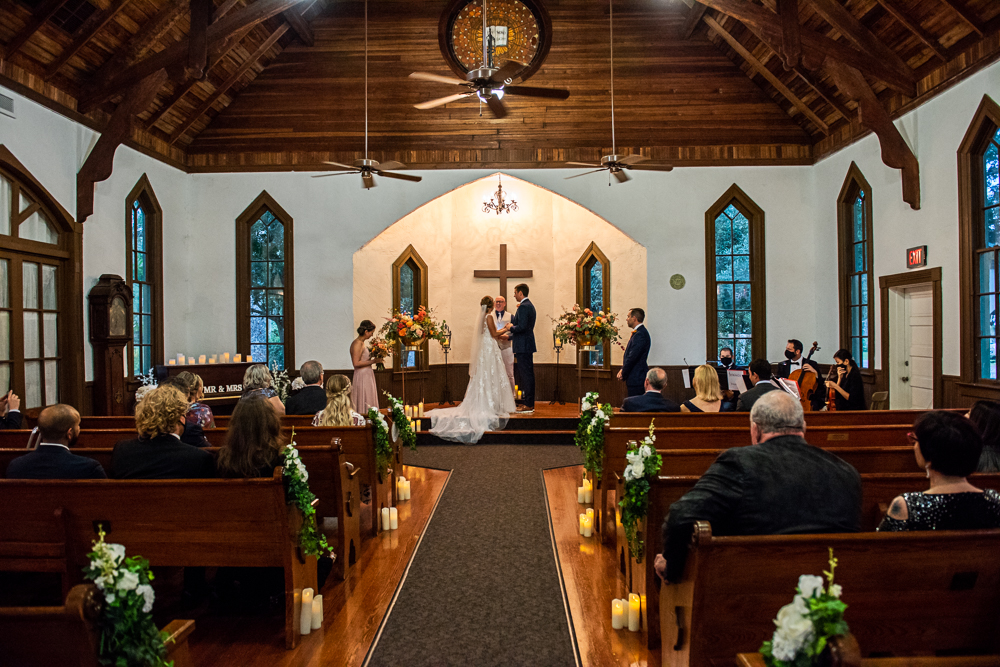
x=411, y=331
x=583, y=328
x=378, y=350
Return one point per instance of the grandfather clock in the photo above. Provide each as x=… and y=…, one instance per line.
x=110, y=331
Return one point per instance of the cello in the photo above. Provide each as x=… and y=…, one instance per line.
x=806, y=380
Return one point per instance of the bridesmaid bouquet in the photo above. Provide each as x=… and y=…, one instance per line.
x=378, y=350
x=411, y=331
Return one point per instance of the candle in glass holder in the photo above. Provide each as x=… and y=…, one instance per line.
x=385, y=518
x=583, y=517
x=202, y=359
x=588, y=526
x=393, y=518
x=633, y=612
x=305, y=618
x=617, y=614
x=317, y=612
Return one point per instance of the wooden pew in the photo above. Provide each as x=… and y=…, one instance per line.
x=864, y=459
x=688, y=419
x=171, y=523
x=911, y=593
x=68, y=635
x=97, y=439
x=101, y=422
x=757, y=660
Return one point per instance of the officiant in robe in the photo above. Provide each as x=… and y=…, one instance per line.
x=502, y=319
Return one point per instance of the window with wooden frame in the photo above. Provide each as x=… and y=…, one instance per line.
x=409, y=292
x=41, y=326
x=857, y=289
x=979, y=242
x=144, y=274
x=734, y=269
x=593, y=290
x=265, y=319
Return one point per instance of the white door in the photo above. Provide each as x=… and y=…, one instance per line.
x=914, y=371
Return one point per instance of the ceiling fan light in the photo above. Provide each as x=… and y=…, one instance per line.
x=489, y=92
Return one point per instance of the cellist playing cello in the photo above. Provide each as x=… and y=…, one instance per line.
x=794, y=361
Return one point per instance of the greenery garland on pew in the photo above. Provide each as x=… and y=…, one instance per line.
x=383, y=448
x=403, y=426
x=311, y=541
x=644, y=463
x=590, y=432
x=128, y=635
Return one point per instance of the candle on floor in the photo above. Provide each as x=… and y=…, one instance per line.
x=617, y=614
x=385, y=518
x=317, y=612
x=590, y=514
x=172, y=362
x=588, y=492
x=202, y=359
x=420, y=409
x=583, y=517
x=588, y=526
x=581, y=494
x=519, y=394
x=633, y=612
x=393, y=518
x=400, y=485
x=406, y=490
x=305, y=618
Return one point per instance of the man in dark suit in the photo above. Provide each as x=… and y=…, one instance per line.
x=634, y=367
x=760, y=378
x=795, y=361
x=311, y=398
x=652, y=400
x=10, y=413
x=780, y=486
x=523, y=334
x=59, y=427
x=158, y=453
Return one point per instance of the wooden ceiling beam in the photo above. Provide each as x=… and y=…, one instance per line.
x=693, y=19
x=791, y=43
x=299, y=25
x=85, y=33
x=44, y=12
x=767, y=74
x=824, y=93
x=150, y=31
x=228, y=83
x=965, y=15
x=900, y=15
x=201, y=18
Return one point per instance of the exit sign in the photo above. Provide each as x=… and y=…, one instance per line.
x=916, y=257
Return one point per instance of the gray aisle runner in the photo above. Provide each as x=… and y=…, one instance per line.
x=483, y=588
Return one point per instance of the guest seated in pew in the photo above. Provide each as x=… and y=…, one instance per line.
x=948, y=447
x=985, y=416
x=258, y=381
x=198, y=412
x=311, y=398
x=338, y=410
x=780, y=486
x=253, y=441
x=59, y=427
x=652, y=399
x=708, y=393
x=158, y=452
x=193, y=433
x=10, y=412
x=849, y=388
x=760, y=376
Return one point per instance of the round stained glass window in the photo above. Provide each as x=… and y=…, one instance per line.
x=518, y=29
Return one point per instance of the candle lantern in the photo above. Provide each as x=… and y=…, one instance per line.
x=446, y=348
x=557, y=346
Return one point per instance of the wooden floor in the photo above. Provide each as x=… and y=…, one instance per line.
x=592, y=580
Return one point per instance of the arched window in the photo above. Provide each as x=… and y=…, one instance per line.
x=734, y=267
x=857, y=291
x=264, y=312
x=144, y=274
x=40, y=292
x=409, y=292
x=979, y=238
x=593, y=290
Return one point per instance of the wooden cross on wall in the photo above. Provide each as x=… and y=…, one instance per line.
x=503, y=274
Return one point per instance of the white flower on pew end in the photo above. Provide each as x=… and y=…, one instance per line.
x=794, y=629
x=586, y=406
x=148, y=596
x=810, y=585
x=128, y=581
x=835, y=590
x=645, y=451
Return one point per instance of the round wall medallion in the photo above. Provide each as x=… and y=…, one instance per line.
x=677, y=281
x=521, y=31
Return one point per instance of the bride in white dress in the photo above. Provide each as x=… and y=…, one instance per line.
x=489, y=398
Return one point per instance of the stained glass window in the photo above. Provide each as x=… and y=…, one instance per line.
x=143, y=289
x=734, y=292
x=858, y=277
x=409, y=300
x=267, y=290
x=595, y=301
x=988, y=245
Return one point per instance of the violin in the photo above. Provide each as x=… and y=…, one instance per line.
x=831, y=399
x=806, y=380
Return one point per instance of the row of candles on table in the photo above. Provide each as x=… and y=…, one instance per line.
x=585, y=493
x=202, y=359
x=627, y=613
x=311, y=617
x=587, y=523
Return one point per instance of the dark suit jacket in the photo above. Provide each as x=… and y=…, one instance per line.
x=651, y=401
x=308, y=401
x=523, y=322
x=54, y=462
x=12, y=420
x=819, y=396
x=634, y=366
x=750, y=396
x=784, y=486
x=162, y=457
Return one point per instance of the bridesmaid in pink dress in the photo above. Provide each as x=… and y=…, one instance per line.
x=364, y=393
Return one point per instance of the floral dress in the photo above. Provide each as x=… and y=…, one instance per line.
x=200, y=414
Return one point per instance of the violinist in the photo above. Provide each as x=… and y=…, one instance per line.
x=848, y=387
x=795, y=361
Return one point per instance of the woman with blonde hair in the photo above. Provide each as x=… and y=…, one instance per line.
x=708, y=393
x=257, y=381
x=338, y=410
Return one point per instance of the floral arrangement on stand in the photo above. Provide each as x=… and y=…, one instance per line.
x=128, y=635
x=311, y=541
x=643, y=463
x=583, y=328
x=383, y=448
x=411, y=330
x=282, y=385
x=401, y=426
x=378, y=350
x=590, y=432
x=805, y=627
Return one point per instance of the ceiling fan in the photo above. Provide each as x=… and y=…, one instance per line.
x=366, y=167
x=488, y=83
x=616, y=165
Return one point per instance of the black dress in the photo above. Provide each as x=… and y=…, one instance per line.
x=855, y=388
x=947, y=511
x=692, y=407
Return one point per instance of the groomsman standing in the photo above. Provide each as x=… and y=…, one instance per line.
x=502, y=319
x=634, y=366
x=524, y=347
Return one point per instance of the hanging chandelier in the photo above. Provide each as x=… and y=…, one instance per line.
x=497, y=203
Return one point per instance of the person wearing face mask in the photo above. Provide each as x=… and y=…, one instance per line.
x=728, y=363
x=795, y=361
x=849, y=388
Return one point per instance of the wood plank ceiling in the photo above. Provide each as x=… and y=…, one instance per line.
x=693, y=85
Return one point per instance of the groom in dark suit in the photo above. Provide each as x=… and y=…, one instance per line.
x=523, y=330
x=634, y=366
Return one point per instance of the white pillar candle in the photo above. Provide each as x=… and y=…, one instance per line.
x=420, y=409
x=583, y=517
x=305, y=618
x=588, y=526
x=588, y=495
x=590, y=514
x=633, y=612
x=317, y=612
x=238, y=358
x=225, y=358
x=407, y=489
x=385, y=518
x=202, y=359
x=249, y=359
x=211, y=359
x=172, y=362
x=617, y=614
x=581, y=494
x=393, y=518
x=399, y=488
x=180, y=359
